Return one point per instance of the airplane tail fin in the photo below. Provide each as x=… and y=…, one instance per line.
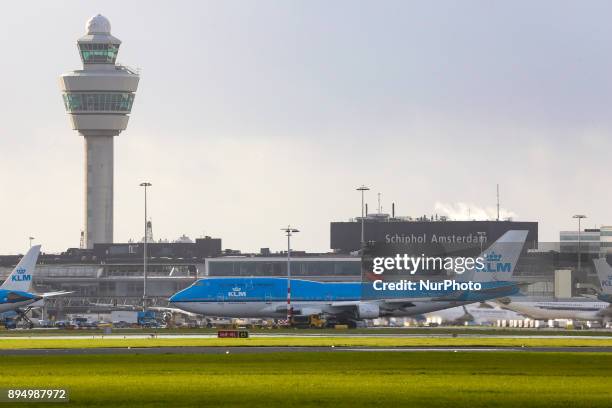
x=604, y=274
x=499, y=259
x=21, y=277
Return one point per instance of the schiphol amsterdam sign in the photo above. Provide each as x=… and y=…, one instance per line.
x=425, y=238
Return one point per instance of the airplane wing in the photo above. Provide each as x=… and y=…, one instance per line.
x=118, y=306
x=331, y=307
x=347, y=307
x=392, y=301
x=460, y=295
x=345, y=303
x=53, y=294
x=172, y=309
x=42, y=296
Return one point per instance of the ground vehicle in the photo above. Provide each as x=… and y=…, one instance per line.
x=44, y=323
x=133, y=317
x=10, y=323
x=64, y=324
x=152, y=324
x=308, y=321
x=80, y=323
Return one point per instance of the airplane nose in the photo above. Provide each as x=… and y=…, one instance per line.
x=178, y=296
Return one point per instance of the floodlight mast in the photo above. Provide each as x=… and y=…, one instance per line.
x=289, y=231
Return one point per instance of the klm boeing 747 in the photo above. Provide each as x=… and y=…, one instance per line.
x=266, y=297
x=15, y=292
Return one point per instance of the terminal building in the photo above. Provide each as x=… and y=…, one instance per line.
x=345, y=237
x=320, y=267
x=591, y=240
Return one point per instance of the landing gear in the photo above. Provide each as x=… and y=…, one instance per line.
x=21, y=315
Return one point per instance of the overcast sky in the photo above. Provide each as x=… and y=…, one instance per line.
x=254, y=114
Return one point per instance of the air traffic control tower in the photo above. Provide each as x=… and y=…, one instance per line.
x=98, y=99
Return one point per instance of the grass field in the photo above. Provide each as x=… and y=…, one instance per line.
x=304, y=341
x=348, y=379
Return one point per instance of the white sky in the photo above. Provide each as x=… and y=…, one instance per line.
x=254, y=114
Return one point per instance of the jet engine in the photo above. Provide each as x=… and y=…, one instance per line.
x=368, y=311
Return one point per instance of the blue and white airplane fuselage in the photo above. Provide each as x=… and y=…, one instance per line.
x=267, y=297
x=13, y=299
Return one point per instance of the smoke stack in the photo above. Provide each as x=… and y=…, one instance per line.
x=498, y=202
x=392, y=210
x=366, y=212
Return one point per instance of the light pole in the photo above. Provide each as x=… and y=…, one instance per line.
x=31, y=239
x=482, y=236
x=363, y=189
x=289, y=231
x=144, y=249
x=579, y=217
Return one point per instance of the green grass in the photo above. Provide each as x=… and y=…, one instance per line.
x=342, y=379
x=305, y=342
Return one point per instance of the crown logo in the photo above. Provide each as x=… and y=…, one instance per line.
x=20, y=271
x=235, y=289
x=493, y=257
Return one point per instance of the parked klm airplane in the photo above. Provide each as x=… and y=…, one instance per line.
x=578, y=308
x=481, y=313
x=15, y=292
x=266, y=297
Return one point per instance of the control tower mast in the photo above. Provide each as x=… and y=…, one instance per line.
x=98, y=100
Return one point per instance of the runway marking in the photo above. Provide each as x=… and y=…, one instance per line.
x=454, y=349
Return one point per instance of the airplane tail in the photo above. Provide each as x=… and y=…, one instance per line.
x=604, y=273
x=499, y=259
x=21, y=277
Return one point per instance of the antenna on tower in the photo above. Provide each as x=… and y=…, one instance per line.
x=379, y=209
x=497, y=202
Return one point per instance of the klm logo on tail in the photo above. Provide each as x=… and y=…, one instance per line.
x=493, y=264
x=21, y=276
